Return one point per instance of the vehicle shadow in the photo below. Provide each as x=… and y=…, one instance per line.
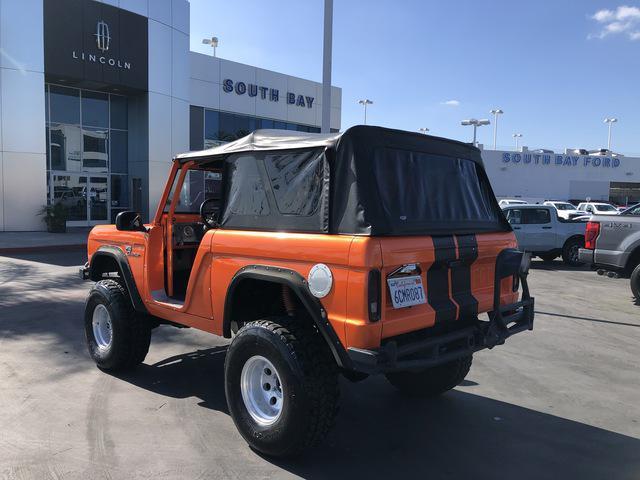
x=557, y=265
x=459, y=435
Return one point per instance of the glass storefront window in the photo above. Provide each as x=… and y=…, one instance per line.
x=196, y=128
x=119, y=112
x=119, y=191
x=65, y=147
x=220, y=127
x=119, y=156
x=87, y=133
x=71, y=192
x=98, y=198
x=95, y=109
x=95, y=153
x=211, y=128
x=64, y=104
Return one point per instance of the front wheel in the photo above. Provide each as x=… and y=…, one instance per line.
x=433, y=381
x=281, y=384
x=570, y=252
x=117, y=337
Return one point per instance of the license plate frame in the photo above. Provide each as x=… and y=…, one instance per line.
x=406, y=291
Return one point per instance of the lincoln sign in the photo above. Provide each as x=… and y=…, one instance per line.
x=96, y=44
x=561, y=160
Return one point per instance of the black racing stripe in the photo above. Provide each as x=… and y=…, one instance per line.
x=461, y=276
x=438, y=278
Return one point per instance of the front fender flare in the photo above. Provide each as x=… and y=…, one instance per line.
x=120, y=258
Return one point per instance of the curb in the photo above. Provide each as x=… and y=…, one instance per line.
x=43, y=249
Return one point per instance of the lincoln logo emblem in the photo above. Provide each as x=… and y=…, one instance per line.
x=102, y=36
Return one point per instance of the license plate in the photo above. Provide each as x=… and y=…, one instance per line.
x=406, y=291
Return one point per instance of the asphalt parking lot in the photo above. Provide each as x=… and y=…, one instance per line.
x=562, y=401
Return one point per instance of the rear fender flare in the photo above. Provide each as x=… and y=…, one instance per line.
x=116, y=254
x=298, y=286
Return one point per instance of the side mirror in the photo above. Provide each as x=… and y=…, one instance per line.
x=130, y=222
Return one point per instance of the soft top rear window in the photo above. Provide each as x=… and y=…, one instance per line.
x=426, y=193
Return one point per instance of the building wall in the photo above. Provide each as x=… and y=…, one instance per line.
x=22, y=115
x=526, y=175
x=208, y=74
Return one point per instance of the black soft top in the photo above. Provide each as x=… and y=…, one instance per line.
x=266, y=140
x=365, y=181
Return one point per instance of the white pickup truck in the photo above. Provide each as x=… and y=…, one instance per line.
x=540, y=231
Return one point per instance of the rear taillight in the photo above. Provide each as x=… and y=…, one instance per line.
x=373, y=295
x=590, y=235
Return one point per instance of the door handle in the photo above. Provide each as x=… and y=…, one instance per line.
x=546, y=228
x=516, y=228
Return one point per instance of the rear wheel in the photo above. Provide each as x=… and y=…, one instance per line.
x=117, y=337
x=432, y=381
x=570, y=252
x=281, y=384
x=634, y=282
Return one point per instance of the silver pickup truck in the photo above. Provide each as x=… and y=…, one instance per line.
x=612, y=245
x=540, y=231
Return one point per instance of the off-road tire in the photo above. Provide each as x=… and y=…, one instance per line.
x=570, y=252
x=548, y=257
x=131, y=331
x=433, y=381
x=634, y=282
x=309, y=378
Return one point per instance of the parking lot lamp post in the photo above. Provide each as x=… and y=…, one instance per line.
x=365, y=102
x=213, y=41
x=517, y=136
x=495, y=112
x=610, y=121
x=475, y=123
x=423, y=130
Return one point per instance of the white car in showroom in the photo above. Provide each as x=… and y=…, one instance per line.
x=565, y=210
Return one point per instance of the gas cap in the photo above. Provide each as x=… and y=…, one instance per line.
x=320, y=280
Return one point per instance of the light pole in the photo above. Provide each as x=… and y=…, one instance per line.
x=423, y=130
x=213, y=41
x=610, y=121
x=517, y=136
x=495, y=112
x=327, y=46
x=475, y=123
x=365, y=102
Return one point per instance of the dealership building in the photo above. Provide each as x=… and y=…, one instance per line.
x=97, y=97
x=540, y=175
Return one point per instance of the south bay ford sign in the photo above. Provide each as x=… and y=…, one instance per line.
x=547, y=159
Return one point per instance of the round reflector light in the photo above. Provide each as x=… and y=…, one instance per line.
x=320, y=280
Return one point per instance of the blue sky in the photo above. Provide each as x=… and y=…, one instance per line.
x=556, y=67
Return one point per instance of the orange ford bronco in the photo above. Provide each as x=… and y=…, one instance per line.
x=364, y=252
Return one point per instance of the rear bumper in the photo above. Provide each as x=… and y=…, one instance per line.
x=610, y=259
x=585, y=255
x=434, y=351
x=424, y=351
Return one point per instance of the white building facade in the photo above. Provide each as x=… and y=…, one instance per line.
x=97, y=97
x=536, y=176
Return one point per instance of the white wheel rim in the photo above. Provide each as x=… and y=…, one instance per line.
x=102, y=328
x=261, y=390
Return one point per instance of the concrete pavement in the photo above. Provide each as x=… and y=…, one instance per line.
x=562, y=401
